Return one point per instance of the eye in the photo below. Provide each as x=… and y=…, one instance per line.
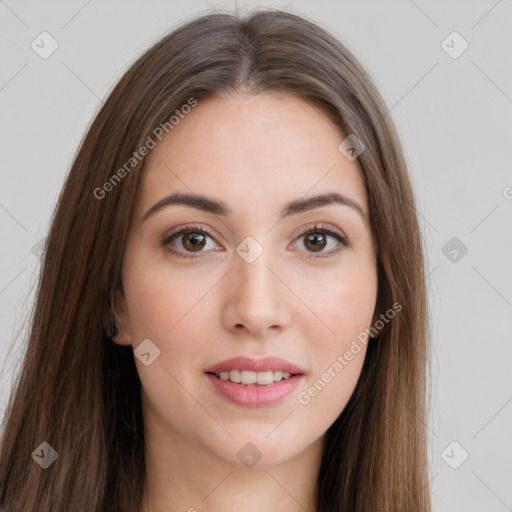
x=194, y=239
x=312, y=240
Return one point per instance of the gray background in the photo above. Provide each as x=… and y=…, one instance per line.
x=454, y=117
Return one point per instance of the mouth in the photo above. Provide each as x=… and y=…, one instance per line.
x=250, y=379
x=250, y=382
x=252, y=394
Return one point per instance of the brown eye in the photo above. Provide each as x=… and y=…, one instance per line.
x=316, y=239
x=316, y=242
x=193, y=239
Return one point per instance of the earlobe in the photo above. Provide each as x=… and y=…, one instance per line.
x=120, y=334
x=374, y=318
x=118, y=340
x=372, y=326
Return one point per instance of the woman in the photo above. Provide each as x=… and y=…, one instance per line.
x=232, y=306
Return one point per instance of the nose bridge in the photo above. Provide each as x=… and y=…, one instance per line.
x=254, y=275
x=258, y=297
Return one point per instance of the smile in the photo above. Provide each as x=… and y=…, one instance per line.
x=249, y=377
x=254, y=395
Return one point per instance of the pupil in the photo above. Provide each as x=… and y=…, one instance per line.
x=316, y=244
x=191, y=237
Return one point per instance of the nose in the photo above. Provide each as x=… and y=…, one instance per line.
x=257, y=300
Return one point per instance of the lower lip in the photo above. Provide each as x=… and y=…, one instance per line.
x=257, y=396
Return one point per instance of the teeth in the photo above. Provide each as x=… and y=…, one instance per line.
x=250, y=377
x=233, y=375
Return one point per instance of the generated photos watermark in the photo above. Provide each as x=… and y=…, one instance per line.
x=143, y=151
x=304, y=397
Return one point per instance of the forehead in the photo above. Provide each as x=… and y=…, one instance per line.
x=251, y=149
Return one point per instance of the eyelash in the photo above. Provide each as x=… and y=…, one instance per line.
x=198, y=229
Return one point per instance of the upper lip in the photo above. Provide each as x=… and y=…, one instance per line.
x=256, y=365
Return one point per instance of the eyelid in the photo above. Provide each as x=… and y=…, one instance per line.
x=180, y=231
x=187, y=228
x=326, y=228
x=341, y=238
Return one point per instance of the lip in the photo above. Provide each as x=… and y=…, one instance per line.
x=256, y=365
x=257, y=396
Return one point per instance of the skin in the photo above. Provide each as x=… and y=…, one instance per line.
x=254, y=153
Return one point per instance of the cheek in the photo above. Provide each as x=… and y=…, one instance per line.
x=349, y=307
x=337, y=355
x=172, y=310
x=171, y=315
x=345, y=304
x=346, y=313
x=159, y=295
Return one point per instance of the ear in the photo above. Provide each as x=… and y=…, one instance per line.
x=375, y=317
x=120, y=315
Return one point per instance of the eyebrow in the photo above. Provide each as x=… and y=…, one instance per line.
x=210, y=205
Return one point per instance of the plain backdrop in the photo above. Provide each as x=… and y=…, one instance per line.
x=453, y=109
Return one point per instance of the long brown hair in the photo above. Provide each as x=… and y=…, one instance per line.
x=80, y=393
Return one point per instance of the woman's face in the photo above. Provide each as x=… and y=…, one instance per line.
x=246, y=281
